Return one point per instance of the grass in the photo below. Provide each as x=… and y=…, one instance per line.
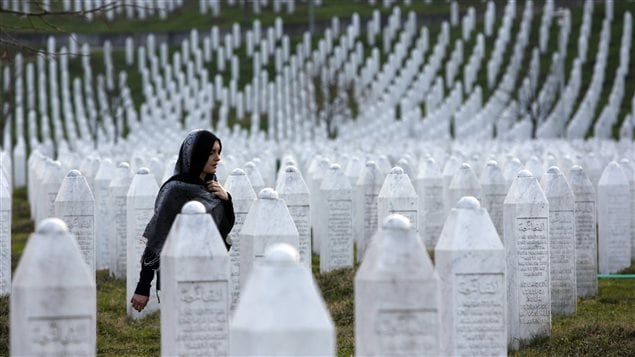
x=603, y=325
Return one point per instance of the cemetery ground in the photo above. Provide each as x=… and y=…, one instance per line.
x=604, y=325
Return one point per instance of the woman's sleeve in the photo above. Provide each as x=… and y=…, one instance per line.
x=150, y=262
x=227, y=223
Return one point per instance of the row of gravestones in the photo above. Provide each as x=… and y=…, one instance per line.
x=348, y=209
x=480, y=293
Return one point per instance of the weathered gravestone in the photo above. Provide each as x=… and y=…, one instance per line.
x=103, y=216
x=464, y=183
x=53, y=298
x=281, y=312
x=118, y=188
x=586, y=264
x=268, y=222
x=396, y=295
x=51, y=183
x=243, y=197
x=335, y=218
x=140, y=200
x=5, y=235
x=75, y=205
x=629, y=170
x=255, y=177
x=614, y=220
x=430, y=192
x=451, y=167
x=398, y=196
x=470, y=261
x=195, y=271
x=365, y=206
x=295, y=193
x=318, y=168
x=561, y=241
x=526, y=241
x=494, y=190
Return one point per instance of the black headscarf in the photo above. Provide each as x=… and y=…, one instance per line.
x=193, y=156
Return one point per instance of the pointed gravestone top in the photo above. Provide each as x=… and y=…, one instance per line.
x=613, y=175
x=397, y=222
x=193, y=207
x=281, y=254
x=268, y=194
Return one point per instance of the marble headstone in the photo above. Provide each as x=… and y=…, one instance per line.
x=103, y=217
x=396, y=295
x=295, y=193
x=430, y=192
x=243, y=197
x=586, y=264
x=526, y=241
x=195, y=271
x=281, y=312
x=494, y=190
x=268, y=222
x=140, y=200
x=118, y=188
x=335, y=218
x=53, y=298
x=365, y=210
x=561, y=241
x=398, y=196
x=75, y=205
x=5, y=235
x=470, y=261
x=614, y=220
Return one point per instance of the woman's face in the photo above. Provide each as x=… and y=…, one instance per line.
x=212, y=160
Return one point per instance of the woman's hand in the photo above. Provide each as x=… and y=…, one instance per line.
x=139, y=302
x=217, y=189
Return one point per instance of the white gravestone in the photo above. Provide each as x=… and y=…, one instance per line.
x=561, y=241
x=195, y=271
x=295, y=193
x=335, y=217
x=470, y=261
x=494, y=190
x=526, y=241
x=431, y=211
x=103, y=218
x=614, y=221
x=464, y=183
x=140, y=200
x=281, y=312
x=54, y=297
x=396, y=295
x=75, y=205
x=586, y=264
x=268, y=222
x=50, y=186
x=449, y=170
x=5, y=235
x=255, y=177
x=118, y=188
x=318, y=168
x=243, y=197
x=398, y=196
x=629, y=170
x=365, y=210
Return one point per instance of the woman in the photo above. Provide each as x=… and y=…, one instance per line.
x=194, y=179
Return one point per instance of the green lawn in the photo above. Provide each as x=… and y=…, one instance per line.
x=604, y=325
